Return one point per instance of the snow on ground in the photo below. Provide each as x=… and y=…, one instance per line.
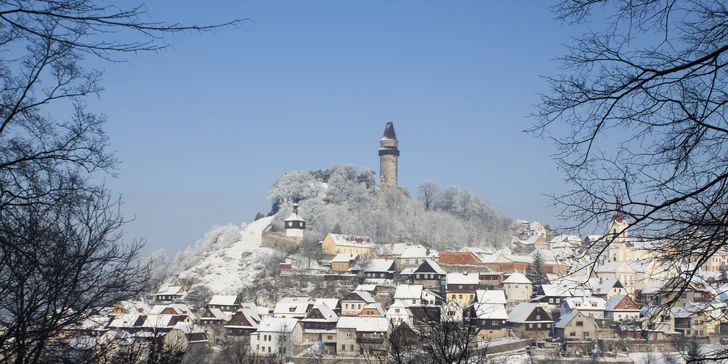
x=229, y=270
x=644, y=358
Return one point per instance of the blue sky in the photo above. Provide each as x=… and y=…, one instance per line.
x=204, y=128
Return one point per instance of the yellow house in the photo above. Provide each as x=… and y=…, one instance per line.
x=350, y=244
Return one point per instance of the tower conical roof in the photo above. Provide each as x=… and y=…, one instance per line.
x=389, y=131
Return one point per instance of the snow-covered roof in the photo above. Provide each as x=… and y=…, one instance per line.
x=555, y=290
x=217, y=314
x=611, y=267
x=418, y=252
x=170, y=290
x=326, y=311
x=124, y=321
x=352, y=240
x=277, y=324
x=521, y=312
x=299, y=305
x=157, y=320
x=407, y=271
x=363, y=324
x=380, y=265
x=462, y=278
x=433, y=264
x=366, y=287
x=491, y=296
x=332, y=303
x=345, y=257
x=490, y=311
x=517, y=278
x=375, y=306
x=294, y=217
x=613, y=301
x=188, y=328
x=221, y=300
x=565, y=319
x=547, y=256
x=364, y=296
x=408, y=292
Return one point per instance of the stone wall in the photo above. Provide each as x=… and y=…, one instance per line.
x=279, y=241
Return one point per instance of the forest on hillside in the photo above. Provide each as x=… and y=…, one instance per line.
x=347, y=199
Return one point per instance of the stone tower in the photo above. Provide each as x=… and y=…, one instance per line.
x=388, y=157
x=295, y=224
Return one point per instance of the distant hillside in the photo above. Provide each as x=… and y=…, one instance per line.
x=347, y=199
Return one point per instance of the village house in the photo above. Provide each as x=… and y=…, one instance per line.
x=131, y=322
x=332, y=303
x=276, y=336
x=354, y=302
x=170, y=294
x=658, y=324
x=339, y=243
x=606, y=287
x=293, y=307
x=621, y=307
x=690, y=321
x=356, y=335
x=529, y=320
x=551, y=295
x=373, y=310
x=380, y=269
x=575, y=326
x=224, y=303
x=428, y=274
x=413, y=256
x=451, y=312
x=183, y=336
x=517, y=288
x=244, y=322
x=126, y=307
x=213, y=317
x=319, y=325
x=342, y=262
x=591, y=306
x=415, y=294
x=489, y=318
x=399, y=312
x=461, y=288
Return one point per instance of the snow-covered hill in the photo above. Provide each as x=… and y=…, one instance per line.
x=229, y=270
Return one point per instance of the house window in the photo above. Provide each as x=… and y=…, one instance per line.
x=348, y=334
x=586, y=334
x=551, y=300
x=580, y=323
x=396, y=310
x=538, y=317
x=351, y=347
x=530, y=326
x=414, y=302
x=329, y=337
x=343, y=347
x=460, y=287
x=572, y=333
x=557, y=300
x=291, y=309
x=538, y=326
x=269, y=349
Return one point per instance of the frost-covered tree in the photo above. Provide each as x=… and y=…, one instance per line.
x=427, y=192
x=294, y=186
x=536, y=274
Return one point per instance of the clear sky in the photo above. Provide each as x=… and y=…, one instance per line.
x=204, y=128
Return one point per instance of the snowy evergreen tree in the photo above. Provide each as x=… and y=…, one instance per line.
x=536, y=274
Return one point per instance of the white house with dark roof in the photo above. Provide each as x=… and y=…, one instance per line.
x=618, y=271
x=170, y=294
x=379, y=270
x=489, y=318
x=243, y=322
x=399, y=312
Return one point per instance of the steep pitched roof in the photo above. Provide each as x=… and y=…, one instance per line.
x=461, y=278
x=363, y=324
x=277, y=324
x=221, y=300
x=520, y=313
x=408, y=292
x=490, y=311
x=432, y=264
x=491, y=296
x=360, y=295
x=389, y=131
x=565, y=319
x=380, y=265
x=517, y=278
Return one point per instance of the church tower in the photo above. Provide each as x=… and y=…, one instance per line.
x=618, y=236
x=388, y=157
